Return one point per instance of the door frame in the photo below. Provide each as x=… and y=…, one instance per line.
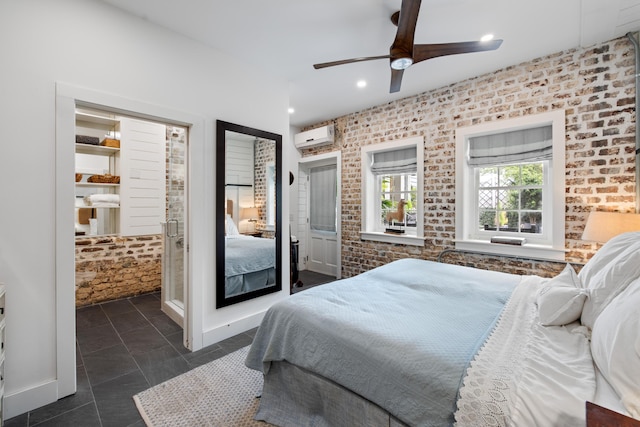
x=306, y=163
x=67, y=97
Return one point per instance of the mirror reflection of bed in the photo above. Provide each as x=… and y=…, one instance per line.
x=249, y=260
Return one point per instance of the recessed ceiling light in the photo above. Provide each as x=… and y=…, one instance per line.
x=361, y=83
x=486, y=37
x=291, y=110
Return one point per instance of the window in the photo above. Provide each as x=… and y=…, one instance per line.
x=323, y=190
x=397, y=195
x=392, y=192
x=510, y=198
x=510, y=183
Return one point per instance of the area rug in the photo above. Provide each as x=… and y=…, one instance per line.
x=221, y=393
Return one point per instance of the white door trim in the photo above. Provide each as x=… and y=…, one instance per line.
x=333, y=157
x=66, y=98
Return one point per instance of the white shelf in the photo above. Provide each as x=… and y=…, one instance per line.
x=96, y=149
x=87, y=235
x=94, y=118
x=95, y=184
x=97, y=207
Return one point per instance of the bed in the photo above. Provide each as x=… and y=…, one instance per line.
x=249, y=261
x=422, y=343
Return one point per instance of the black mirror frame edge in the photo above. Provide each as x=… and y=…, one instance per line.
x=220, y=200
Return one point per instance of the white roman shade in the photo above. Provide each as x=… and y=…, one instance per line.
x=533, y=144
x=394, y=162
x=323, y=198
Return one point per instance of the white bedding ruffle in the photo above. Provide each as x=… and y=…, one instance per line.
x=527, y=374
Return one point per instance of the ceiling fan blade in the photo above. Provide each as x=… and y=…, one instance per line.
x=403, y=43
x=422, y=52
x=349, y=61
x=396, y=80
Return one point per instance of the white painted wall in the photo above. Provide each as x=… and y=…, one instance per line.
x=85, y=43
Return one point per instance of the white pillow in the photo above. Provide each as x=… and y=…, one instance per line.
x=561, y=299
x=230, y=227
x=612, y=278
x=615, y=346
x=606, y=255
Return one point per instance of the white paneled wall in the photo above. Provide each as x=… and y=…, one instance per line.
x=301, y=233
x=142, y=180
x=239, y=175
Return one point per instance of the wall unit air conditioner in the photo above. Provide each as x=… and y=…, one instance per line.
x=314, y=137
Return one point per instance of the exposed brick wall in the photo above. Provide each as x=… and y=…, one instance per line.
x=594, y=86
x=265, y=154
x=110, y=267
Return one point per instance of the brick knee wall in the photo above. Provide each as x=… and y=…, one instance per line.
x=110, y=267
x=595, y=87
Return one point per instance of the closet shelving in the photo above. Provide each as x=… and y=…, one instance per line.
x=139, y=161
x=96, y=150
x=101, y=126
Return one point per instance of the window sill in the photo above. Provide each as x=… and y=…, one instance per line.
x=392, y=238
x=525, y=251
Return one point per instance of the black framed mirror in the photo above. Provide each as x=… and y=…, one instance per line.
x=248, y=212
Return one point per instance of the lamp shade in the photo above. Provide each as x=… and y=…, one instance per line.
x=602, y=226
x=249, y=213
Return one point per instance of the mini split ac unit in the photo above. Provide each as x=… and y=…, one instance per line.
x=314, y=137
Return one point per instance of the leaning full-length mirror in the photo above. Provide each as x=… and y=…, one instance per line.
x=248, y=213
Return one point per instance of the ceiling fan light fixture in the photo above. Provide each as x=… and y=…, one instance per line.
x=486, y=38
x=401, y=63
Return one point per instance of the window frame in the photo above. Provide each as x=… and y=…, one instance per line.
x=468, y=237
x=370, y=194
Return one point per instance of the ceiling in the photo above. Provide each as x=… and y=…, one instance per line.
x=286, y=37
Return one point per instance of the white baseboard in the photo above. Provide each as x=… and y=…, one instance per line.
x=27, y=400
x=223, y=332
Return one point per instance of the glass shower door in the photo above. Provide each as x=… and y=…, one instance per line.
x=175, y=245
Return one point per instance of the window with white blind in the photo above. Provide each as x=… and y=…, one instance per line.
x=323, y=190
x=510, y=183
x=392, y=192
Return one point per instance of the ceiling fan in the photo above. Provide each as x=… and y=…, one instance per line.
x=403, y=53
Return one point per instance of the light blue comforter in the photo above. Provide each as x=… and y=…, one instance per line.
x=400, y=335
x=246, y=254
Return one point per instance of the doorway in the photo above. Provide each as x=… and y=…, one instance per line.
x=67, y=99
x=320, y=212
x=130, y=209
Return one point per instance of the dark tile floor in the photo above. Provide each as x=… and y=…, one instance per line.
x=122, y=348
x=309, y=279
